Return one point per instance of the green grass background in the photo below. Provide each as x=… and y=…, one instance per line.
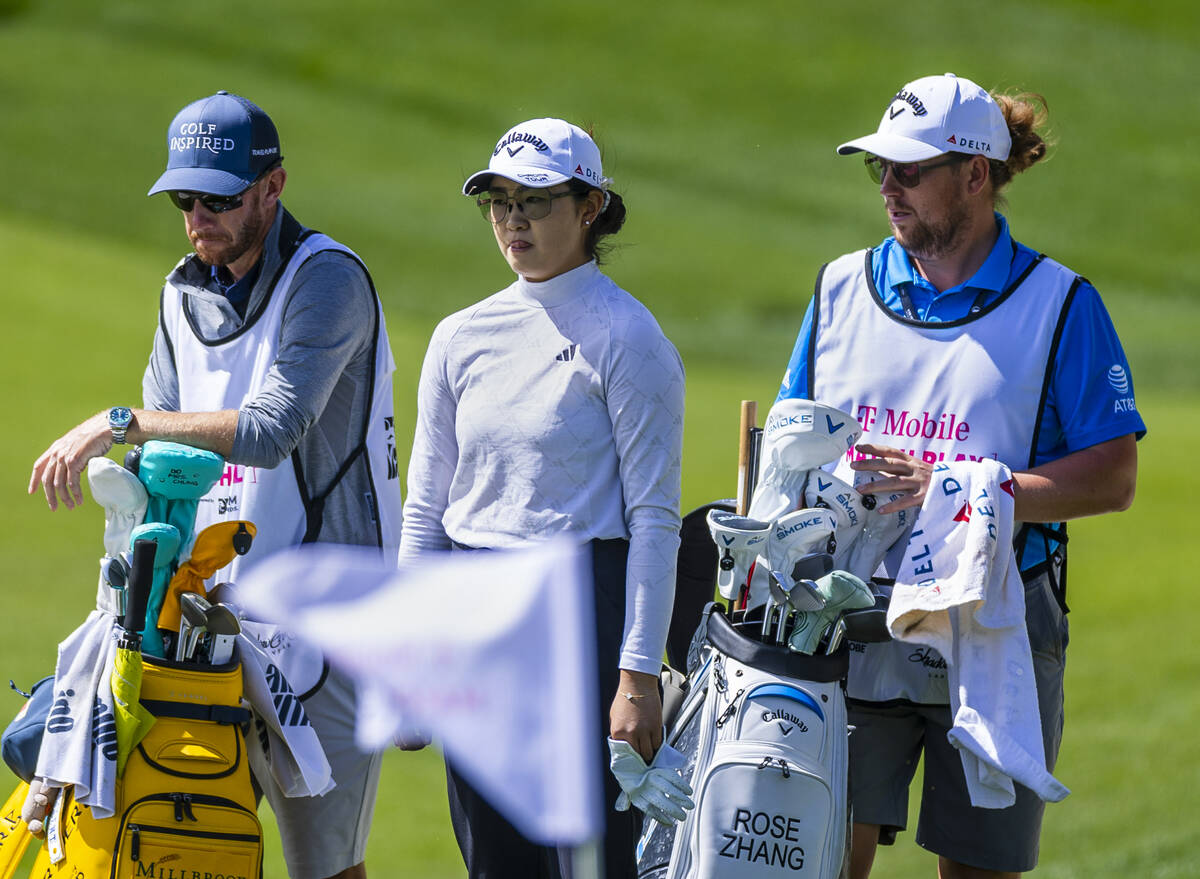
x=718, y=123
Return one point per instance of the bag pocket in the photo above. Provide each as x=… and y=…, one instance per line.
x=760, y=814
x=165, y=835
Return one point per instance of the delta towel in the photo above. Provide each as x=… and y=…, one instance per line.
x=80, y=744
x=283, y=744
x=960, y=592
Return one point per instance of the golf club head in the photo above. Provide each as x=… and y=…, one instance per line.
x=869, y=625
x=804, y=596
x=185, y=636
x=775, y=582
x=220, y=619
x=836, y=636
x=194, y=608
x=813, y=566
x=114, y=572
x=221, y=649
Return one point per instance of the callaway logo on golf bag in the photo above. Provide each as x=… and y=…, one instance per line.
x=764, y=732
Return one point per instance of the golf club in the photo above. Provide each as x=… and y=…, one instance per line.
x=225, y=622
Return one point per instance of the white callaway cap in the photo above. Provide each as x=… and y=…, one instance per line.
x=540, y=153
x=936, y=115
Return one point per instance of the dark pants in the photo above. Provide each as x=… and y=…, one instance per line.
x=491, y=847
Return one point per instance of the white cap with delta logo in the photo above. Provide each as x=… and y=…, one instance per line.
x=935, y=115
x=541, y=153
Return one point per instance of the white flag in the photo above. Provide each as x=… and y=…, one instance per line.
x=492, y=652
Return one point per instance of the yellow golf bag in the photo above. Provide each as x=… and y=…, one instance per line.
x=185, y=804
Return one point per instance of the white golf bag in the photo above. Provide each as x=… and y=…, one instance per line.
x=764, y=731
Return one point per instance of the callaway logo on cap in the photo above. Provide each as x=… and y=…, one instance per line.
x=541, y=153
x=935, y=115
x=218, y=145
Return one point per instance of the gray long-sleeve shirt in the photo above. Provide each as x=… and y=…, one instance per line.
x=316, y=393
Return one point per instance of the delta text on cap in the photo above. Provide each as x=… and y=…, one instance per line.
x=218, y=145
x=541, y=153
x=936, y=115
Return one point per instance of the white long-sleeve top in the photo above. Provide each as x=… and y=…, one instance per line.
x=555, y=407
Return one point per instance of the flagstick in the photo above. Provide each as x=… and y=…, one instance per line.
x=587, y=860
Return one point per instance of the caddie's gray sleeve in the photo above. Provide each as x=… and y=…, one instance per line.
x=160, y=382
x=329, y=318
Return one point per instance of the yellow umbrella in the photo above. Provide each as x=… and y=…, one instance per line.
x=215, y=547
x=133, y=719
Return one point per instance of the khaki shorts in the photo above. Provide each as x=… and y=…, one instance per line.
x=889, y=739
x=322, y=836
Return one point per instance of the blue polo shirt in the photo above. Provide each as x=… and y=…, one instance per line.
x=1078, y=412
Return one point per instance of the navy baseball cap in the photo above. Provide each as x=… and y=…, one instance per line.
x=218, y=145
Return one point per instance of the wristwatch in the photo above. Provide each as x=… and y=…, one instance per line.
x=119, y=419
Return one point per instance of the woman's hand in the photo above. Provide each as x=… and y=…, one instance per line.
x=636, y=713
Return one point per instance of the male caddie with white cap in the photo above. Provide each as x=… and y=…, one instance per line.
x=271, y=350
x=951, y=341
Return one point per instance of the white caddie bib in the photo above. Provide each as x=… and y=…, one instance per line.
x=965, y=389
x=228, y=374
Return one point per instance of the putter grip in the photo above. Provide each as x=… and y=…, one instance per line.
x=141, y=578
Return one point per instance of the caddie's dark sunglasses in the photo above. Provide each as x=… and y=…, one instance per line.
x=218, y=204
x=907, y=174
x=533, y=203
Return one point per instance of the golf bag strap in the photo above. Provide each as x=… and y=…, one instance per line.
x=1055, y=563
x=227, y=715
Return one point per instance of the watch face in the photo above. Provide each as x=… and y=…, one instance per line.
x=120, y=416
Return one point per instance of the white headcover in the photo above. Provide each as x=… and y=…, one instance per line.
x=823, y=489
x=124, y=500
x=739, y=540
x=880, y=531
x=799, y=435
x=798, y=534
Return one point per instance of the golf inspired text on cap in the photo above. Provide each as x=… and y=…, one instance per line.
x=218, y=145
x=541, y=153
x=935, y=115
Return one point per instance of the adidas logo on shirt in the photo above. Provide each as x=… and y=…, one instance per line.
x=567, y=354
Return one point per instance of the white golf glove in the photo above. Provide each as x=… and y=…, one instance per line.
x=658, y=789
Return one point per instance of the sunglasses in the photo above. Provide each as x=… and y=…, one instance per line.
x=218, y=204
x=907, y=174
x=533, y=203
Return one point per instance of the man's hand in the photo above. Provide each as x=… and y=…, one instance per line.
x=60, y=467
x=636, y=713
x=901, y=471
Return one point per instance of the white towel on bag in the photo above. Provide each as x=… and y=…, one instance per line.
x=283, y=744
x=77, y=748
x=960, y=592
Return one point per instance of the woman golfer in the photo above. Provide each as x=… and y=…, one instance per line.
x=556, y=407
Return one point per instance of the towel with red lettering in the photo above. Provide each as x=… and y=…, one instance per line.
x=960, y=592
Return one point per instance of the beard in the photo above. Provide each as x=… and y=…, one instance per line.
x=936, y=239
x=248, y=235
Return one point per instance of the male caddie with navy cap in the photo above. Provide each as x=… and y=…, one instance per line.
x=952, y=341
x=271, y=350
